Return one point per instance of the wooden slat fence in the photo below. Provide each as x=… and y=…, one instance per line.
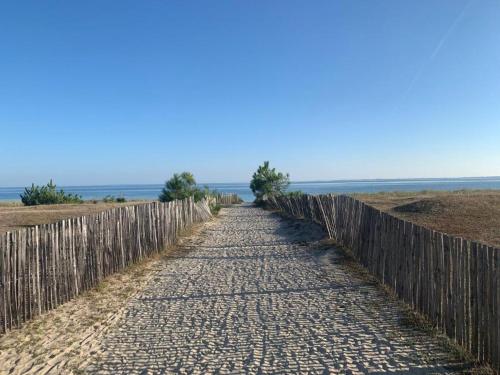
x=228, y=198
x=46, y=265
x=453, y=281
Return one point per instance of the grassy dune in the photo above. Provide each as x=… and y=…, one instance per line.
x=471, y=214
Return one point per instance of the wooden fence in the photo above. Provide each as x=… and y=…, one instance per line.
x=46, y=265
x=227, y=199
x=453, y=281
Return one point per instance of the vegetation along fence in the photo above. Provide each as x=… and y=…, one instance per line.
x=453, y=281
x=46, y=265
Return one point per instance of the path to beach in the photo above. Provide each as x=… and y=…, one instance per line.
x=252, y=293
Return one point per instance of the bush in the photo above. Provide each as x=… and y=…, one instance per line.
x=182, y=186
x=108, y=199
x=47, y=194
x=215, y=208
x=293, y=194
x=112, y=199
x=267, y=182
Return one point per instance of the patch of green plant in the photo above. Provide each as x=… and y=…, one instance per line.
x=183, y=185
x=215, y=208
x=113, y=199
x=200, y=194
x=47, y=194
x=294, y=194
x=108, y=199
x=267, y=182
x=180, y=186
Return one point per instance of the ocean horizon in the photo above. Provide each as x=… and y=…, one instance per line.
x=151, y=191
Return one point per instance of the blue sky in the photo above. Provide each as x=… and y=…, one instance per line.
x=99, y=92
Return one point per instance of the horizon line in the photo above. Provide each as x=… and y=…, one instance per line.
x=292, y=181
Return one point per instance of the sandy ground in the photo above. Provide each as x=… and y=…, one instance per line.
x=253, y=294
x=62, y=341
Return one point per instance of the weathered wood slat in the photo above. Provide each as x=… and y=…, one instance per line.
x=46, y=265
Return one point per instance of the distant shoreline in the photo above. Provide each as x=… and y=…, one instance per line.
x=151, y=191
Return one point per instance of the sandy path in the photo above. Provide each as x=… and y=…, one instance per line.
x=62, y=340
x=251, y=295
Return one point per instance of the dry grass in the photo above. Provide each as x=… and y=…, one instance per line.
x=471, y=214
x=15, y=215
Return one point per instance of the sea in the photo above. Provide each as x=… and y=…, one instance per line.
x=151, y=191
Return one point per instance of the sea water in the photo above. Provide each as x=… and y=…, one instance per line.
x=152, y=191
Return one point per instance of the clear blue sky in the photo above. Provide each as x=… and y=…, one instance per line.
x=98, y=92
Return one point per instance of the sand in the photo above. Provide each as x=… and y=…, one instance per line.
x=249, y=293
x=252, y=294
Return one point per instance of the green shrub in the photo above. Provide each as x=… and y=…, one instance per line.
x=267, y=182
x=294, y=194
x=215, y=208
x=181, y=186
x=47, y=194
x=108, y=199
x=113, y=199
